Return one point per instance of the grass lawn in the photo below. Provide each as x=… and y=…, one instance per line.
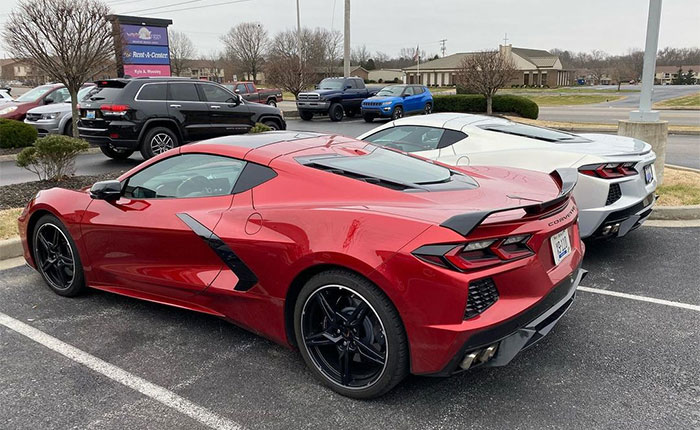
x=570, y=99
x=692, y=101
x=574, y=90
x=8, y=222
x=680, y=188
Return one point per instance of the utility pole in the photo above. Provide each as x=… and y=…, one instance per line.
x=644, y=123
x=442, y=46
x=301, y=61
x=346, y=41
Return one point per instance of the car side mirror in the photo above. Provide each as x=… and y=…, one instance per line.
x=405, y=95
x=347, y=87
x=106, y=190
x=237, y=91
x=48, y=101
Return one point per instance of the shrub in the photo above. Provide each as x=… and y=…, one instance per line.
x=52, y=157
x=16, y=134
x=259, y=128
x=476, y=103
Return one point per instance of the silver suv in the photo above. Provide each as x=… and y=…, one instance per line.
x=55, y=117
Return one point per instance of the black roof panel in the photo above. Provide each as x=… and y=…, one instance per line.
x=261, y=139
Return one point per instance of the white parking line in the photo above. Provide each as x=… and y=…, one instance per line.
x=640, y=298
x=155, y=392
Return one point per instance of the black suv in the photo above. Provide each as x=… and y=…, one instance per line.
x=157, y=114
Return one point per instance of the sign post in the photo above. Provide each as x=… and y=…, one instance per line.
x=141, y=46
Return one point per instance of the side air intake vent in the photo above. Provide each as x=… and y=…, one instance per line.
x=614, y=194
x=482, y=294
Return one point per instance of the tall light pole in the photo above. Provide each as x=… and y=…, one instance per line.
x=644, y=123
x=301, y=64
x=645, y=114
x=346, y=41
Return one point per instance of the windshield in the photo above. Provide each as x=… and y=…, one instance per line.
x=393, y=90
x=34, y=94
x=331, y=84
x=539, y=133
x=388, y=165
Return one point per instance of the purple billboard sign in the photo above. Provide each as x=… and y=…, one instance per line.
x=144, y=35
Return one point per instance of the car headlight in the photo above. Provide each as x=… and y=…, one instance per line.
x=8, y=110
x=386, y=103
x=51, y=115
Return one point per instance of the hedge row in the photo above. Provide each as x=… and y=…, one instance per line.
x=476, y=103
x=16, y=134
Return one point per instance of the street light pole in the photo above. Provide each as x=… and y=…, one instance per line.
x=301, y=65
x=645, y=114
x=346, y=41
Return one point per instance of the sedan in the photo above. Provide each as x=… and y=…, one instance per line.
x=373, y=263
x=616, y=176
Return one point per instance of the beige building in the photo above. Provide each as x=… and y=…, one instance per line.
x=204, y=70
x=385, y=75
x=536, y=67
x=665, y=75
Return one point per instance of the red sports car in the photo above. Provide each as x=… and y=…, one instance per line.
x=372, y=262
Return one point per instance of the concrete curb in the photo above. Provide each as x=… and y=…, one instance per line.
x=675, y=213
x=683, y=168
x=11, y=248
x=13, y=157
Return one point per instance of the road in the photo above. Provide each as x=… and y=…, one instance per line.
x=611, y=362
x=682, y=150
x=606, y=113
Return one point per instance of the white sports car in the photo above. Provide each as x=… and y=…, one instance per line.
x=615, y=189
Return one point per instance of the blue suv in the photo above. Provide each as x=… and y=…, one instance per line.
x=395, y=101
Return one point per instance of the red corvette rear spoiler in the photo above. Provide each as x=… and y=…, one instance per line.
x=466, y=223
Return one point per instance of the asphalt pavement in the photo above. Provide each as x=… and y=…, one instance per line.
x=611, y=362
x=683, y=150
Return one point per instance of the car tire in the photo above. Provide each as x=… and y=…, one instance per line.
x=398, y=113
x=272, y=102
x=274, y=125
x=116, y=153
x=68, y=128
x=428, y=109
x=158, y=140
x=368, y=118
x=56, y=257
x=336, y=112
x=306, y=115
x=324, y=343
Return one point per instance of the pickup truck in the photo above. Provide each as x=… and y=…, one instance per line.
x=251, y=93
x=334, y=97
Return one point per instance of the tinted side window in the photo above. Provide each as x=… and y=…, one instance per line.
x=251, y=89
x=213, y=93
x=185, y=176
x=58, y=96
x=358, y=83
x=153, y=92
x=450, y=137
x=182, y=91
x=408, y=91
x=408, y=138
x=241, y=88
x=418, y=90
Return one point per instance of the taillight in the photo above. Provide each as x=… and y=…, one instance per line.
x=114, y=109
x=608, y=170
x=477, y=254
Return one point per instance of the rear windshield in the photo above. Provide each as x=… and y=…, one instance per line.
x=102, y=93
x=388, y=165
x=539, y=133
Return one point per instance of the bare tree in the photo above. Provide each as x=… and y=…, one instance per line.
x=332, y=43
x=246, y=43
x=485, y=73
x=181, y=51
x=214, y=61
x=283, y=66
x=360, y=55
x=69, y=40
x=380, y=59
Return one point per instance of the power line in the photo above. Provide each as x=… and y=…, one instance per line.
x=161, y=7
x=197, y=7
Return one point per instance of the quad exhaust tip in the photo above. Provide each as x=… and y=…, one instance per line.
x=610, y=229
x=478, y=357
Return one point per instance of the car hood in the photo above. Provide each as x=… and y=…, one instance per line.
x=58, y=107
x=321, y=92
x=606, y=145
x=382, y=99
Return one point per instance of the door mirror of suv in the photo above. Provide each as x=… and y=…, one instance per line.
x=237, y=91
x=347, y=87
x=48, y=101
x=106, y=190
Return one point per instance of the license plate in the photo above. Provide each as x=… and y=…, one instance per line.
x=561, y=246
x=90, y=114
x=648, y=173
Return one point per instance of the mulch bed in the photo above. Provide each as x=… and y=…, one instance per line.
x=18, y=195
x=7, y=151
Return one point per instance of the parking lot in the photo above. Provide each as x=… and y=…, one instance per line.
x=612, y=362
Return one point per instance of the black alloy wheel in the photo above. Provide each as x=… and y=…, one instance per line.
x=272, y=124
x=350, y=335
x=336, y=112
x=398, y=113
x=56, y=257
x=428, y=109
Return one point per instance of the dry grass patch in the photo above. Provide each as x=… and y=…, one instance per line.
x=8, y=223
x=686, y=102
x=680, y=188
